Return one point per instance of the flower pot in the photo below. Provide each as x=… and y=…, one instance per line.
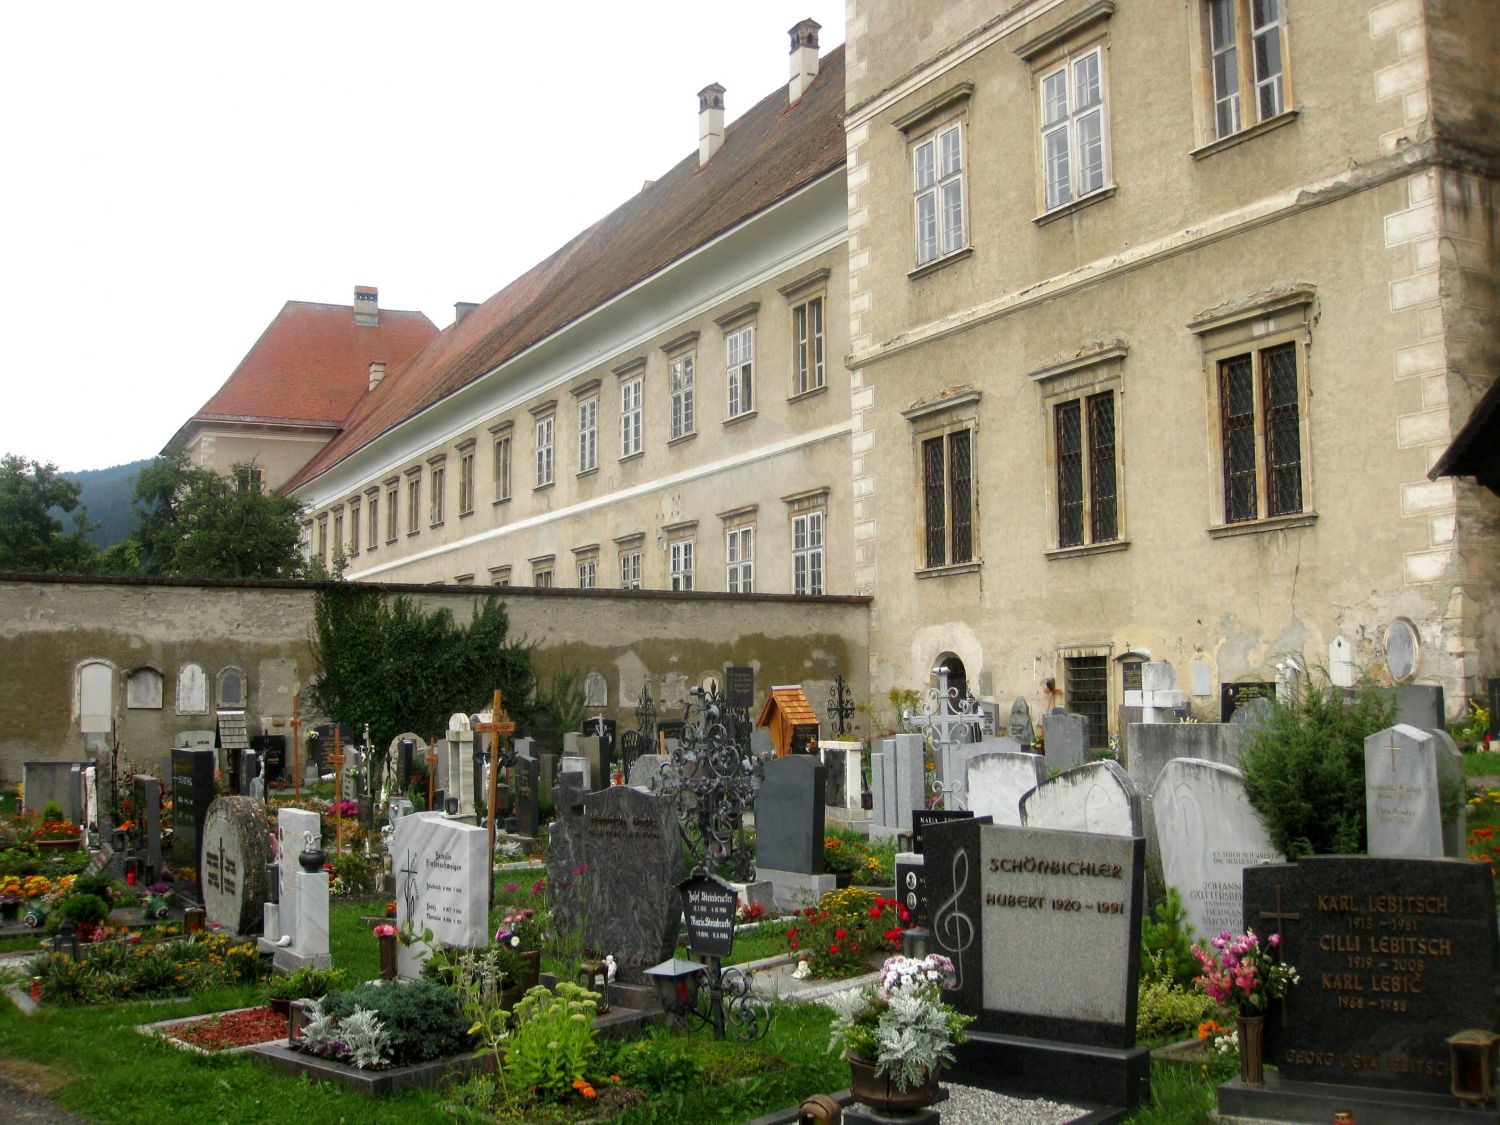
x=58, y=847
x=282, y=1005
x=387, y=956
x=879, y=1092
x=311, y=859
x=531, y=969
x=1252, y=1060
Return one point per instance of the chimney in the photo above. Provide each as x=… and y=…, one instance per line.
x=804, y=58
x=367, y=306
x=377, y=373
x=462, y=309
x=710, y=122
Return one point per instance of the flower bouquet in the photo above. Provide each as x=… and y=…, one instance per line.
x=1246, y=975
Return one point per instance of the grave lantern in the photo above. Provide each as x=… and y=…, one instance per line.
x=677, y=985
x=594, y=976
x=1471, y=1062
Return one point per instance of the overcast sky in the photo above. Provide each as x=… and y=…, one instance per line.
x=173, y=173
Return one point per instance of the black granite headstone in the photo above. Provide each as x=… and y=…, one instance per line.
x=1394, y=956
x=271, y=749
x=406, y=750
x=1231, y=696
x=921, y=818
x=739, y=687
x=708, y=909
x=528, y=812
x=911, y=890
x=789, y=816
x=192, y=793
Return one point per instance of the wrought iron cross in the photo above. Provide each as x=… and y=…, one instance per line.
x=840, y=704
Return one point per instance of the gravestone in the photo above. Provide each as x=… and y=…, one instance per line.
x=601, y=767
x=249, y=770
x=1097, y=797
x=1233, y=696
x=1019, y=725
x=528, y=790
x=458, y=767
x=1394, y=956
x=572, y=763
x=1450, y=764
x=295, y=920
x=1153, y=745
x=708, y=911
x=898, y=778
x=1025, y=915
x=1403, y=784
x=646, y=769
x=922, y=818
x=845, y=762
x=1208, y=834
x=59, y=783
x=1251, y=715
x=633, y=866
x=273, y=759
x=739, y=688
x=789, y=818
x=565, y=858
x=911, y=888
x=441, y=871
x=953, y=766
x=236, y=849
x=997, y=782
x=192, y=793
x=147, y=798
x=403, y=753
x=607, y=732
x=1419, y=705
x=1065, y=738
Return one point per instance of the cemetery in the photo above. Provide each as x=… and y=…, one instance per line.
x=723, y=915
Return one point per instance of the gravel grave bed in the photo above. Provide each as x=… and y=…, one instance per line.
x=226, y=1031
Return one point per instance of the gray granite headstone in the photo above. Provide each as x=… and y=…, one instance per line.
x=236, y=849
x=1450, y=764
x=1402, y=793
x=527, y=785
x=1419, y=705
x=1097, y=797
x=1153, y=745
x=148, y=810
x=997, y=782
x=1208, y=834
x=1019, y=725
x=760, y=742
x=789, y=815
x=1251, y=715
x=1065, y=738
x=645, y=770
x=59, y=783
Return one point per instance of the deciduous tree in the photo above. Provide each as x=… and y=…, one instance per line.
x=32, y=538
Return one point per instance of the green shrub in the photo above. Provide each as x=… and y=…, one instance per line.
x=52, y=811
x=1167, y=943
x=306, y=983
x=659, y=1066
x=84, y=908
x=1164, y=1011
x=552, y=1044
x=101, y=885
x=353, y=874
x=1305, y=767
x=424, y=1020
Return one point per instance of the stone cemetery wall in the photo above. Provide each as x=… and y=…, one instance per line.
x=52, y=626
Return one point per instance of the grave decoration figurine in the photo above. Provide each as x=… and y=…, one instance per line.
x=713, y=782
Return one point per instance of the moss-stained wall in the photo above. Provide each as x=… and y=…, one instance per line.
x=50, y=626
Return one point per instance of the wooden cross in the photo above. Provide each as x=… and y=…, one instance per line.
x=1279, y=916
x=431, y=769
x=336, y=759
x=498, y=726
x=296, y=725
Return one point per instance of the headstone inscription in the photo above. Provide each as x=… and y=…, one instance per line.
x=997, y=782
x=236, y=851
x=708, y=910
x=1066, y=739
x=1208, y=834
x=1097, y=797
x=1404, y=779
x=1233, y=696
x=911, y=887
x=440, y=885
x=921, y=818
x=739, y=687
x=1394, y=956
x=192, y=793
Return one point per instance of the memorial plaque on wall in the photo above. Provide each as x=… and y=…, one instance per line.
x=739, y=687
x=708, y=908
x=1232, y=696
x=192, y=793
x=921, y=818
x=1394, y=956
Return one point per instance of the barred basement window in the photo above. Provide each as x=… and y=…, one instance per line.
x=1087, y=682
x=948, y=499
x=1260, y=428
x=1085, y=435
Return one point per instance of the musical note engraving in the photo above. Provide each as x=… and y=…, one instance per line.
x=953, y=928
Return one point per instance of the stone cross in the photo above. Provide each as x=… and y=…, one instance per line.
x=296, y=725
x=337, y=760
x=499, y=726
x=1278, y=915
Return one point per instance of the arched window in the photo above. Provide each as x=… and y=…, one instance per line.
x=957, y=677
x=232, y=689
x=143, y=689
x=192, y=690
x=96, y=697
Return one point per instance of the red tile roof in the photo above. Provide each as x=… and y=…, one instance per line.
x=767, y=154
x=312, y=364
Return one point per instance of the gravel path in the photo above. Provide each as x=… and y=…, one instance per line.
x=22, y=1107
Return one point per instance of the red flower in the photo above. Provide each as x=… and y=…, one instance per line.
x=841, y=934
x=905, y=914
x=791, y=934
x=875, y=911
x=833, y=949
x=893, y=936
x=795, y=943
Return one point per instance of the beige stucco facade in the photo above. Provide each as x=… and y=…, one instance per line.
x=277, y=451
x=1355, y=230
x=50, y=629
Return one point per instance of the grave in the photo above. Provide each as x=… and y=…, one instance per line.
x=236, y=853
x=59, y=783
x=910, y=867
x=1043, y=928
x=527, y=785
x=192, y=793
x=1208, y=834
x=1097, y=797
x=441, y=872
x=1065, y=738
x=1407, y=771
x=898, y=778
x=1419, y=705
x=845, y=762
x=295, y=920
x=573, y=763
x=1019, y=725
x=458, y=766
x=271, y=749
x=953, y=766
x=1153, y=745
x=997, y=782
x=645, y=770
x=1394, y=956
x=1233, y=696
x=564, y=859
x=147, y=800
x=789, y=819
x=405, y=751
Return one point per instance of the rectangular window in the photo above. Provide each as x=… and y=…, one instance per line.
x=739, y=349
x=339, y=546
x=630, y=570
x=466, y=482
x=739, y=555
x=948, y=499
x=323, y=540
x=588, y=574
x=413, y=503
x=807, y=553
x=247, y=478
x=630, y=418
x=938, y=184
x=1260, y=429
x=681, y=554
x=372, y=502
x=588, y=435
x=682, y=396
x=542, y=578
x=807, y=346
x=1087, y=473
x=436, y=489
x=502, y=468
x=544, y=464
x=354, y=529
x=1088, y=694
x=392, y=511
x=1073, y=129
x=499, y=576
x=1240, y=29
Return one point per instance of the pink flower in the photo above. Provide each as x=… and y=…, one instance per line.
x=512, y=888
x=384, y=930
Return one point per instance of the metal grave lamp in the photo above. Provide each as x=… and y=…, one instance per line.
x=67, y=939
x=1471, y=1062
x=677, y=984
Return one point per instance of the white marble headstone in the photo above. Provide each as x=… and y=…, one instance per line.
x=1208, y=833
x=441, y=870
x=1098, y=797
x=1402, y=805
x=997, y=782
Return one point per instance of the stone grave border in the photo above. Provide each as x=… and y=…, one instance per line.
x=371, y=1083
x=162, y=1028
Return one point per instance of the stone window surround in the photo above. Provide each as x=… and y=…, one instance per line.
x=501, y=465
x=437, y=487
x=1200, y=61
x=920, y=125
x=467, y=483
x=372, y=521
x=732, y=323
x=588, y=553
x=955, y=411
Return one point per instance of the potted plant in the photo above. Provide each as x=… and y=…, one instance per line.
x=304, y=984
x=1246, y=975
x=897, y=1033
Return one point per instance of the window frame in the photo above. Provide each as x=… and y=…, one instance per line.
x=739, y=372
x=1272, y=324
x=681, y=564
x=943, y=420
x=809, y=345
x=543, y=571
x=354, y=504
x=414, y=501
x=1248, y=82
x=739, y=558
x=628, y=547
x=466, y=478
x=954, y=125
x=1082, y=380
x=588, y=434
x=392, y=509
x=544, y=447
x=338, y=533
x=810, y=579
x=437, y=489
x=1069, y=124
x=632, y=423
x=372, y=518
x=681, y=379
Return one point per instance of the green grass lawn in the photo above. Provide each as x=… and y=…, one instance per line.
x=1481, y=764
